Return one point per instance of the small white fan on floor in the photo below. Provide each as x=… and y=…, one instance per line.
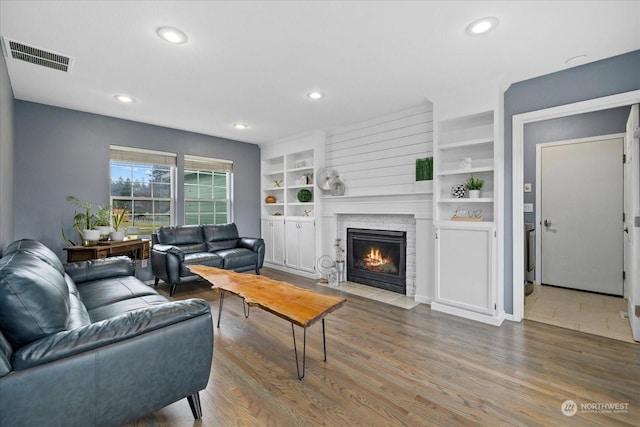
x=326, y=267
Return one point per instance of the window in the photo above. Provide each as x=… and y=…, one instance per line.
x=142, y=181
x=207, y=190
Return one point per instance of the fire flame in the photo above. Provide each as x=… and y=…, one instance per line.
x=374, y=258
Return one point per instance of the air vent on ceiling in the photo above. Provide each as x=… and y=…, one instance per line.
x=37, y=56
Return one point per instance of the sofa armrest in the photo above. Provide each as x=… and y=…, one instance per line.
x=127, y=326
x=169, y=249
x=253, y=243
x=94, y=269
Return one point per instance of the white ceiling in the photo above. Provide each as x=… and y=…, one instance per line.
x=254, y=61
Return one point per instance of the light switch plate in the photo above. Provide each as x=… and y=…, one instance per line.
x=527, y=187
x=636, y=221
x=528, y=207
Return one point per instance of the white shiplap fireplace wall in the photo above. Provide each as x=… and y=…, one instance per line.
x=376, y=162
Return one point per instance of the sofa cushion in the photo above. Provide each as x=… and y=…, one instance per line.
x=78, y=315
x=192, y=248
x=34, y=299
x=180, y=235
x=37, y=249
x=203, y=258
x=94, y=269
x=102, y=292
x=125, y=306
x=239, y=257
x=5, y=356
x=221, y=236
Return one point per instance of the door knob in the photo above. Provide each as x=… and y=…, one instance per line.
x=547, y=223
x=626, y=230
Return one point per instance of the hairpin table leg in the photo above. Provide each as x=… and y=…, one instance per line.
x=304, y=350
x=220, y=307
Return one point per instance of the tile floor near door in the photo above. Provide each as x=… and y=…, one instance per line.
x=582, y=311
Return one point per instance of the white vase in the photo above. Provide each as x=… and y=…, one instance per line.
x=104, y=231
x=117, y=236
x=474, y=194
x=90, y=237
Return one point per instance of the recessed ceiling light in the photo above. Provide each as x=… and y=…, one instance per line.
x=575, y=60
x=125, y=99
x=172, y=35
x=482, y=26
x=315, y=95
x=240, y=125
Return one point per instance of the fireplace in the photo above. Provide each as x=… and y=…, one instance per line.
x=377, y=258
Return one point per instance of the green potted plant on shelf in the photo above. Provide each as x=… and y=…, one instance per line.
x=118, y=218
x=474, y=185
x=84, y=223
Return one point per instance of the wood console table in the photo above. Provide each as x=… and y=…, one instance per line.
x=136, y=249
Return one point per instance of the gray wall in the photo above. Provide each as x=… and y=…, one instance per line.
x=60, y=152
x=605, y=122
x=610, y=76
x=6, y=157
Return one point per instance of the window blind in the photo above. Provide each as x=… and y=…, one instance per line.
x=207, y=164
x=134, y=155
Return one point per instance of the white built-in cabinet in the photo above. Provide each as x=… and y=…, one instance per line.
x=465, y=246
x=273, y=235
x=300, y=244
x=466, y=274
x=288, y=223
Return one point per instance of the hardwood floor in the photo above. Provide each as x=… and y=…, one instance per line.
x=388, y=366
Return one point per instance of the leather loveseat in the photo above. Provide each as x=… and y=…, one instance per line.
x=176, y=247
x=87, y=343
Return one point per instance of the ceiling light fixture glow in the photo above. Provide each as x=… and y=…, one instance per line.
x=240, y=125
x=125, y=99
x=315, y=95
x=482, y=26
x=172, y=35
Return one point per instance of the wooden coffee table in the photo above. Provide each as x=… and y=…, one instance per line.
x=299, y=306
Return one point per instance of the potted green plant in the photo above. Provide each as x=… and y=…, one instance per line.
x=474, y=185
x=118, y=218
x=84, y=222
x=102, y=222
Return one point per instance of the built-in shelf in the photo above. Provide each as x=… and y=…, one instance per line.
x=464, y=147
x=467, y=170
x=468, y=143
x=466, y=200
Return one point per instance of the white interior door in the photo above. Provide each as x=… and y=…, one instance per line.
x=581, y=194
x=632, y=211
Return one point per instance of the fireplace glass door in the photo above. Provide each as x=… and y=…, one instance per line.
x=377, y=258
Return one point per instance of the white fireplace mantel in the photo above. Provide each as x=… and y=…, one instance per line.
x=418, y=205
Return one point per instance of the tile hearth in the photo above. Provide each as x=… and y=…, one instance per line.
x=380, y=295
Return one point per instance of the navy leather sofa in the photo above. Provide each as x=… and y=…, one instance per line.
x=176, y=247
x=88, y=344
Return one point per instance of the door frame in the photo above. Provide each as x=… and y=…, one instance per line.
x=517, y=221
x=539, y=148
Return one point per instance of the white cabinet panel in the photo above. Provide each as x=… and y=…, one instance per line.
x=273, y=235
x=465, y=267
x=300, y=238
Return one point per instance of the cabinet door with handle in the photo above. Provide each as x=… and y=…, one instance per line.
x=300, y=238
x=465, y=268
x=273, y=235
